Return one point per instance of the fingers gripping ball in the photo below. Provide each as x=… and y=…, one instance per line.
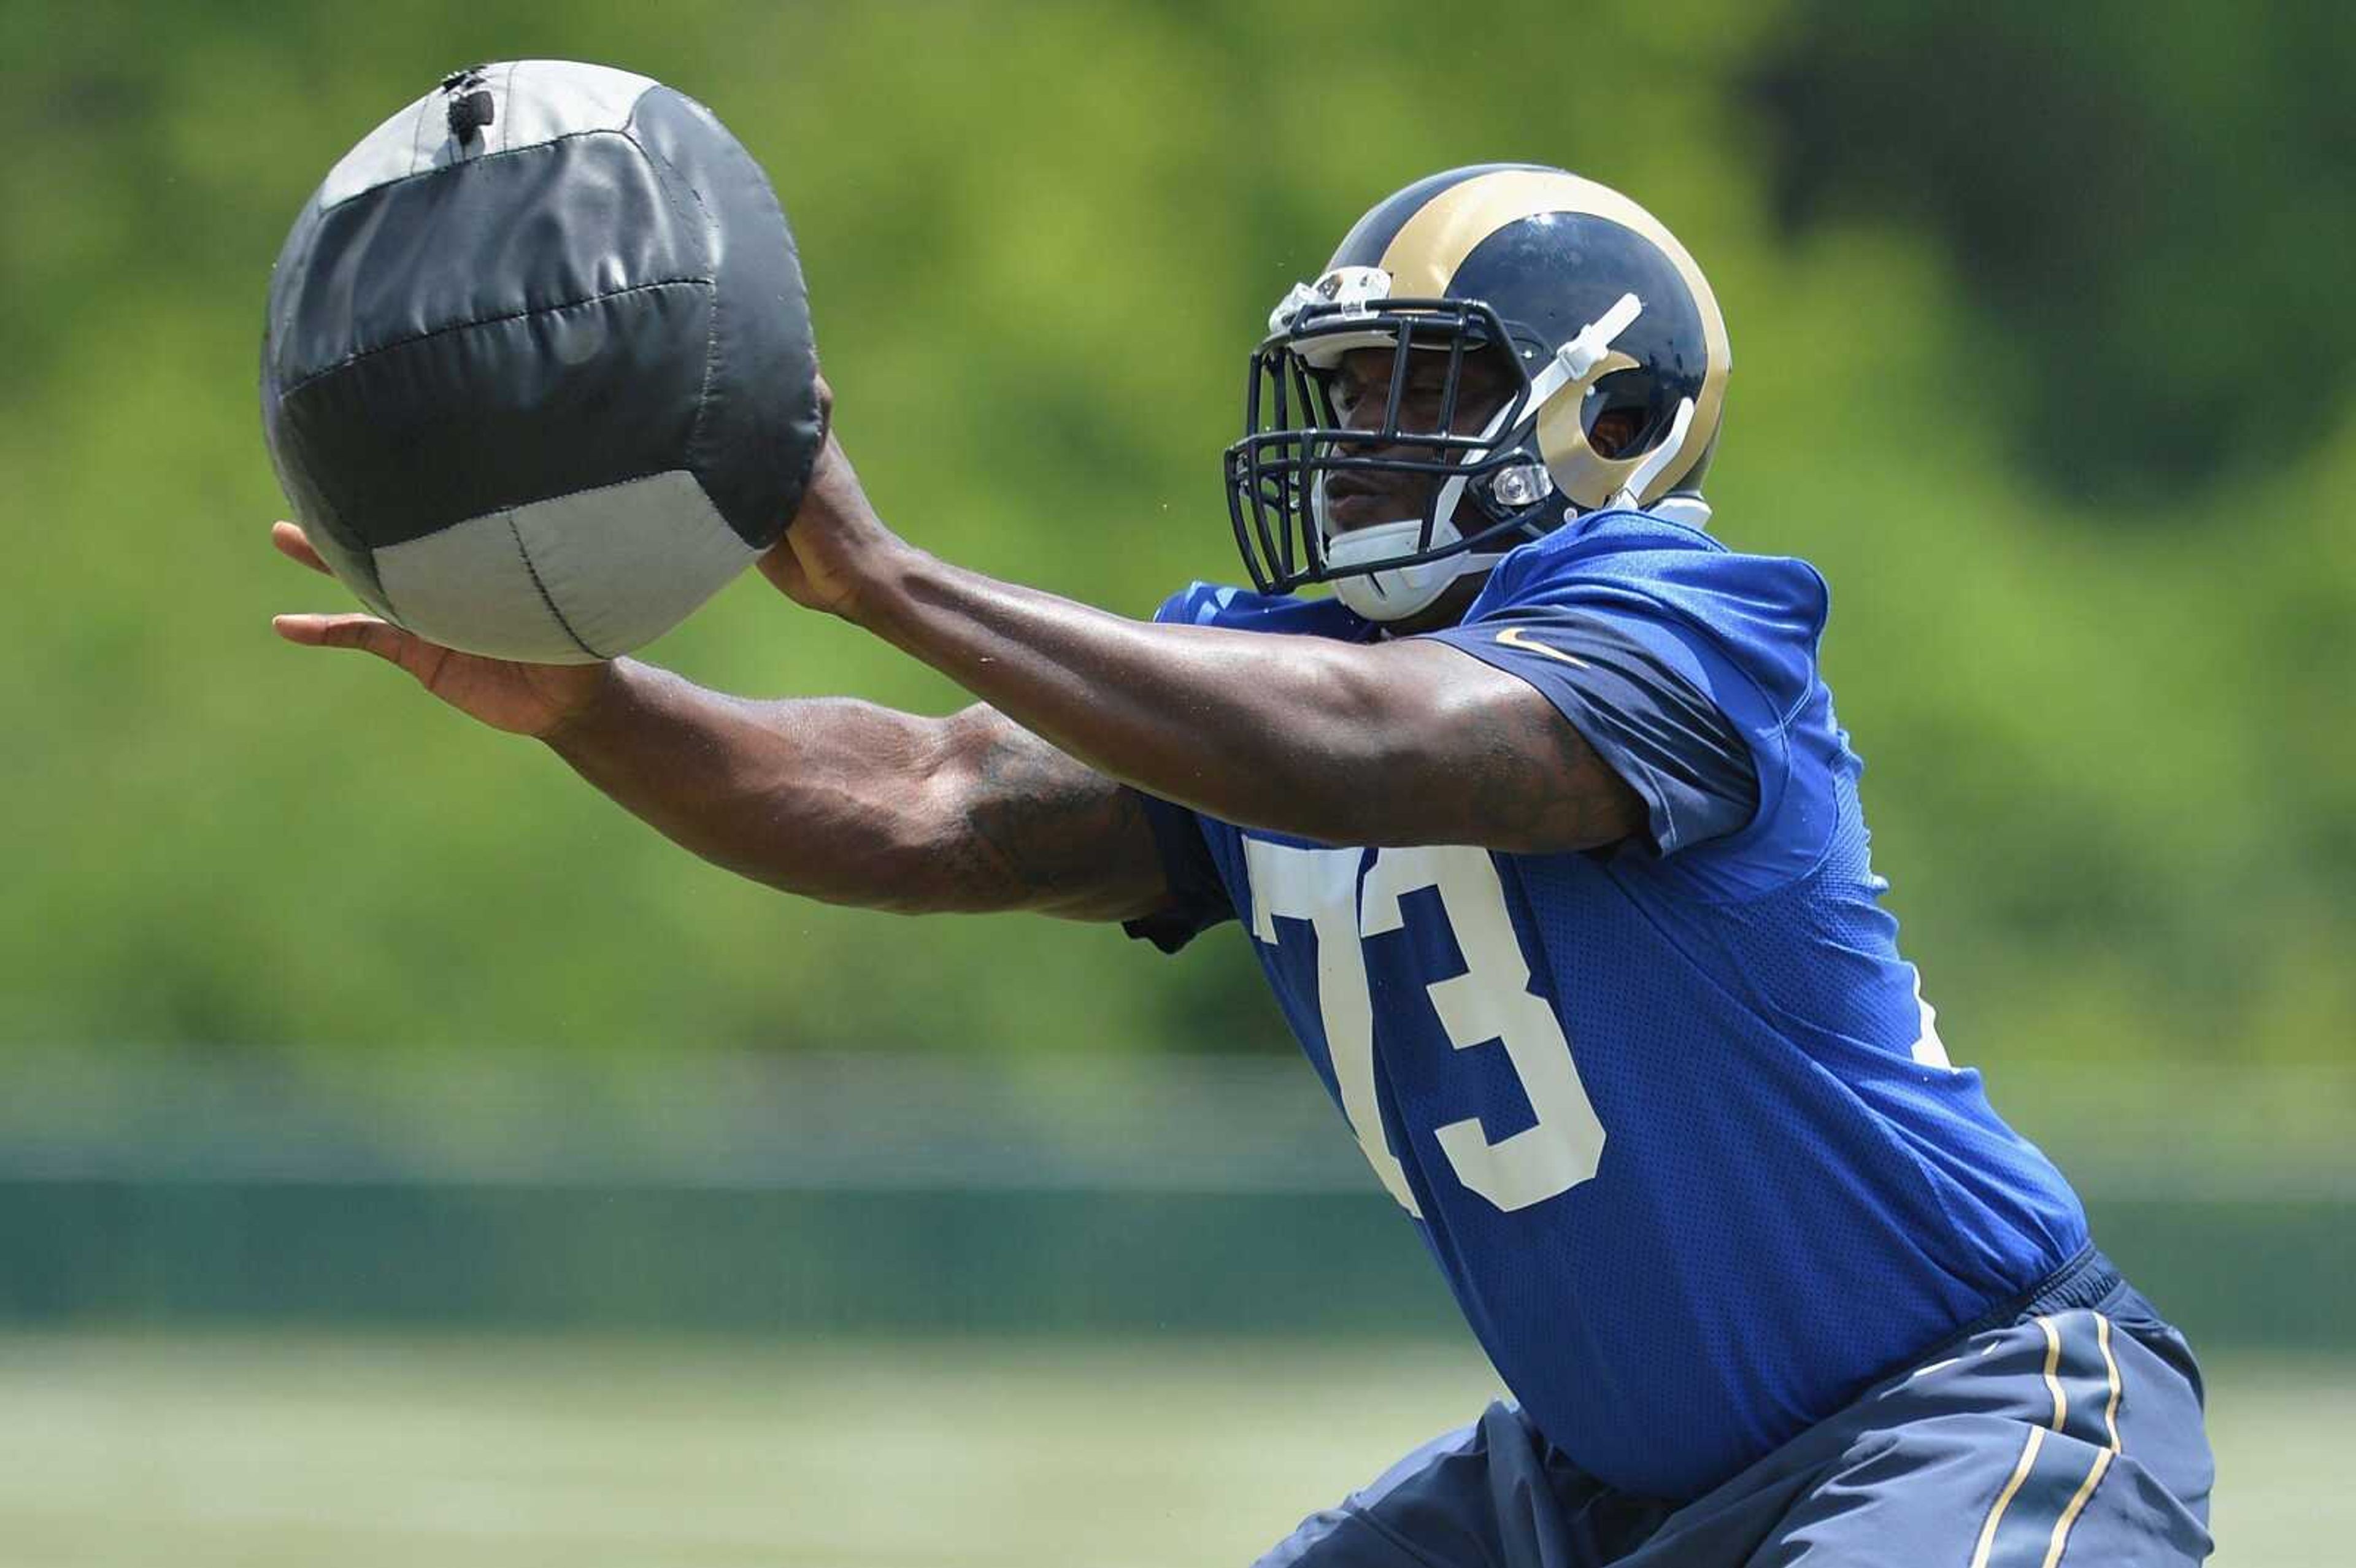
x=538, y=375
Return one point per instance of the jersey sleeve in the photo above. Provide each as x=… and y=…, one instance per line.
x=1641, y=699
x=1198, y=899
x=1692, y=671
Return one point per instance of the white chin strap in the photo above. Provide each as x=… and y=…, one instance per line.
x=1399, y=592
x=1396, y=593
x=1688, y=511
x=1663, y=455
x=1393, y=594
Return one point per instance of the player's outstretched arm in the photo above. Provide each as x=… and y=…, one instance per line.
x=833, y=799
x=1404, y=743
x=851, y=803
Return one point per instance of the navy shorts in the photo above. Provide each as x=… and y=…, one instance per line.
x=2064, y=1428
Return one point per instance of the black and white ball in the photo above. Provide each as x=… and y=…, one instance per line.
x=538, y=376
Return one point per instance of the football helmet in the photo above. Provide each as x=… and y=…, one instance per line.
x=1592, y=302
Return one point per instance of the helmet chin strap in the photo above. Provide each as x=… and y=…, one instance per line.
x=1689, y=511
x=1632, y=494
x=1394, y=593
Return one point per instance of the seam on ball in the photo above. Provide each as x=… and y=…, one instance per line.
x=348, y=361
x=711, y=230
x=424, y=117
x=516, y=533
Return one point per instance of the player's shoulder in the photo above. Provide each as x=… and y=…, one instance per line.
x=1242, y=610
x=1674, y=564
x=1766, y=612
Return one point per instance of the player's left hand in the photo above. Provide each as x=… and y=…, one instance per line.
x=835, y=545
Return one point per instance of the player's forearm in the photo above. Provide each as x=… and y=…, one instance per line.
x=1273, y=732
x=829, y=798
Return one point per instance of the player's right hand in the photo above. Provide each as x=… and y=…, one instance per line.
x=533, y=699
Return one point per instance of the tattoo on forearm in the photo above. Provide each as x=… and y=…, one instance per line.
x=1046, y=831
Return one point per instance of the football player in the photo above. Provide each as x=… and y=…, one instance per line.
x=1545, y=834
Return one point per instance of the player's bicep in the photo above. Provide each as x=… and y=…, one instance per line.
x=1493, y=762
x=1024, y=825
x=1637, y=748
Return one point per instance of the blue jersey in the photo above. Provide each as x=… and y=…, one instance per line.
x=1673, y=1118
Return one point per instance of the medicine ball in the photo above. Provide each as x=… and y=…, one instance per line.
x=538, y=376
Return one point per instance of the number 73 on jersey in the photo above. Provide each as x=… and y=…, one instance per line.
x=1487, y=1004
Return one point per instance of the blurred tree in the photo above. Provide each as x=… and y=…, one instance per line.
x=2109, y=776
x=2147, y=206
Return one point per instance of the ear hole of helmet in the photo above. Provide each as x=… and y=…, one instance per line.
x=1622, y=415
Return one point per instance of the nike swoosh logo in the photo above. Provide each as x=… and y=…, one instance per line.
x=1512, y=637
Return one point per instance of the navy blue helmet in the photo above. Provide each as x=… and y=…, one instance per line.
x=1593, y=305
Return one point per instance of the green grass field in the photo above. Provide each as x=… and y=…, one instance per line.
x=367, y=1453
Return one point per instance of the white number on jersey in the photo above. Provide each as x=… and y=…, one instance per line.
x=1489, y=1003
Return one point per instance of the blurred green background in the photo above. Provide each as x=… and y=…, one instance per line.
x=318, y=1002
x=2042, y=354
